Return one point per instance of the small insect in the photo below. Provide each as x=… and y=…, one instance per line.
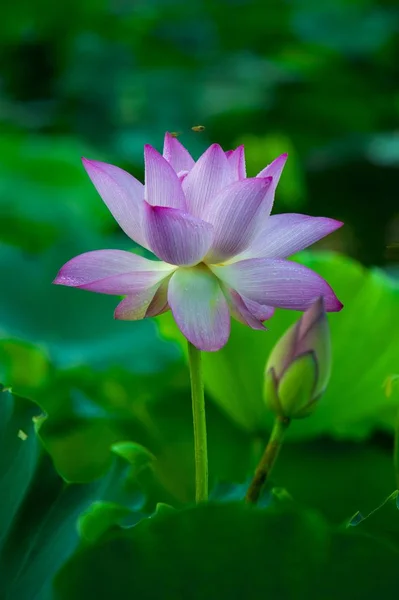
x=198, y=128
x=175, y=133
x=22, y=435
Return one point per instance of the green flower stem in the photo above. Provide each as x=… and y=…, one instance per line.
x=200, y=440
x=268, y=459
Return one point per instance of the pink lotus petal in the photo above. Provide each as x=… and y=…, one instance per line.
x=134, y=307
x=307, y=325
x=182, y=175
x=283, y=352
x=234, y=216
x=149, y=303
x=122, y=194
x=112, y=272
x=175, y=236
x=162, y=185
x=176, y=154
x=262, y=312
x=159, y=303
x=278, y=283
x=211, y=173
x=199, y=308
x=313, y=335
x=283, y=235
x=310, y=334
x=274, y=169
x=236, y=159
x=240, y=311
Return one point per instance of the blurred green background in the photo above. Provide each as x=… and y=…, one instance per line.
x=100, y=78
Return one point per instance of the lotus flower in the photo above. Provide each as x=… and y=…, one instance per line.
x=219, y=252
x=299, y=366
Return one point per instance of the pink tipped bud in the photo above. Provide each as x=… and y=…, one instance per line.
x=299, y=367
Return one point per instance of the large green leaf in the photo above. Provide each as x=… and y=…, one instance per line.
x=337, y=478
x=230, y=551
x=39, y=510
x=18, y=455
x=365, y=343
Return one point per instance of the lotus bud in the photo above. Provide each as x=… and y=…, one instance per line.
x=299, y=367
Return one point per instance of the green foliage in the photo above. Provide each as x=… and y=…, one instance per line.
x=231, y=551
x=19, y=454
x=40, y=532
x=39, y=510
x=99, y=517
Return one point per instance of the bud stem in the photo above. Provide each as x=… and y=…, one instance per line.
x=268, y=459
x=200, y=438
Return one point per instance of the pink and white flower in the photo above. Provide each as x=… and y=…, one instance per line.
x=219, y=251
